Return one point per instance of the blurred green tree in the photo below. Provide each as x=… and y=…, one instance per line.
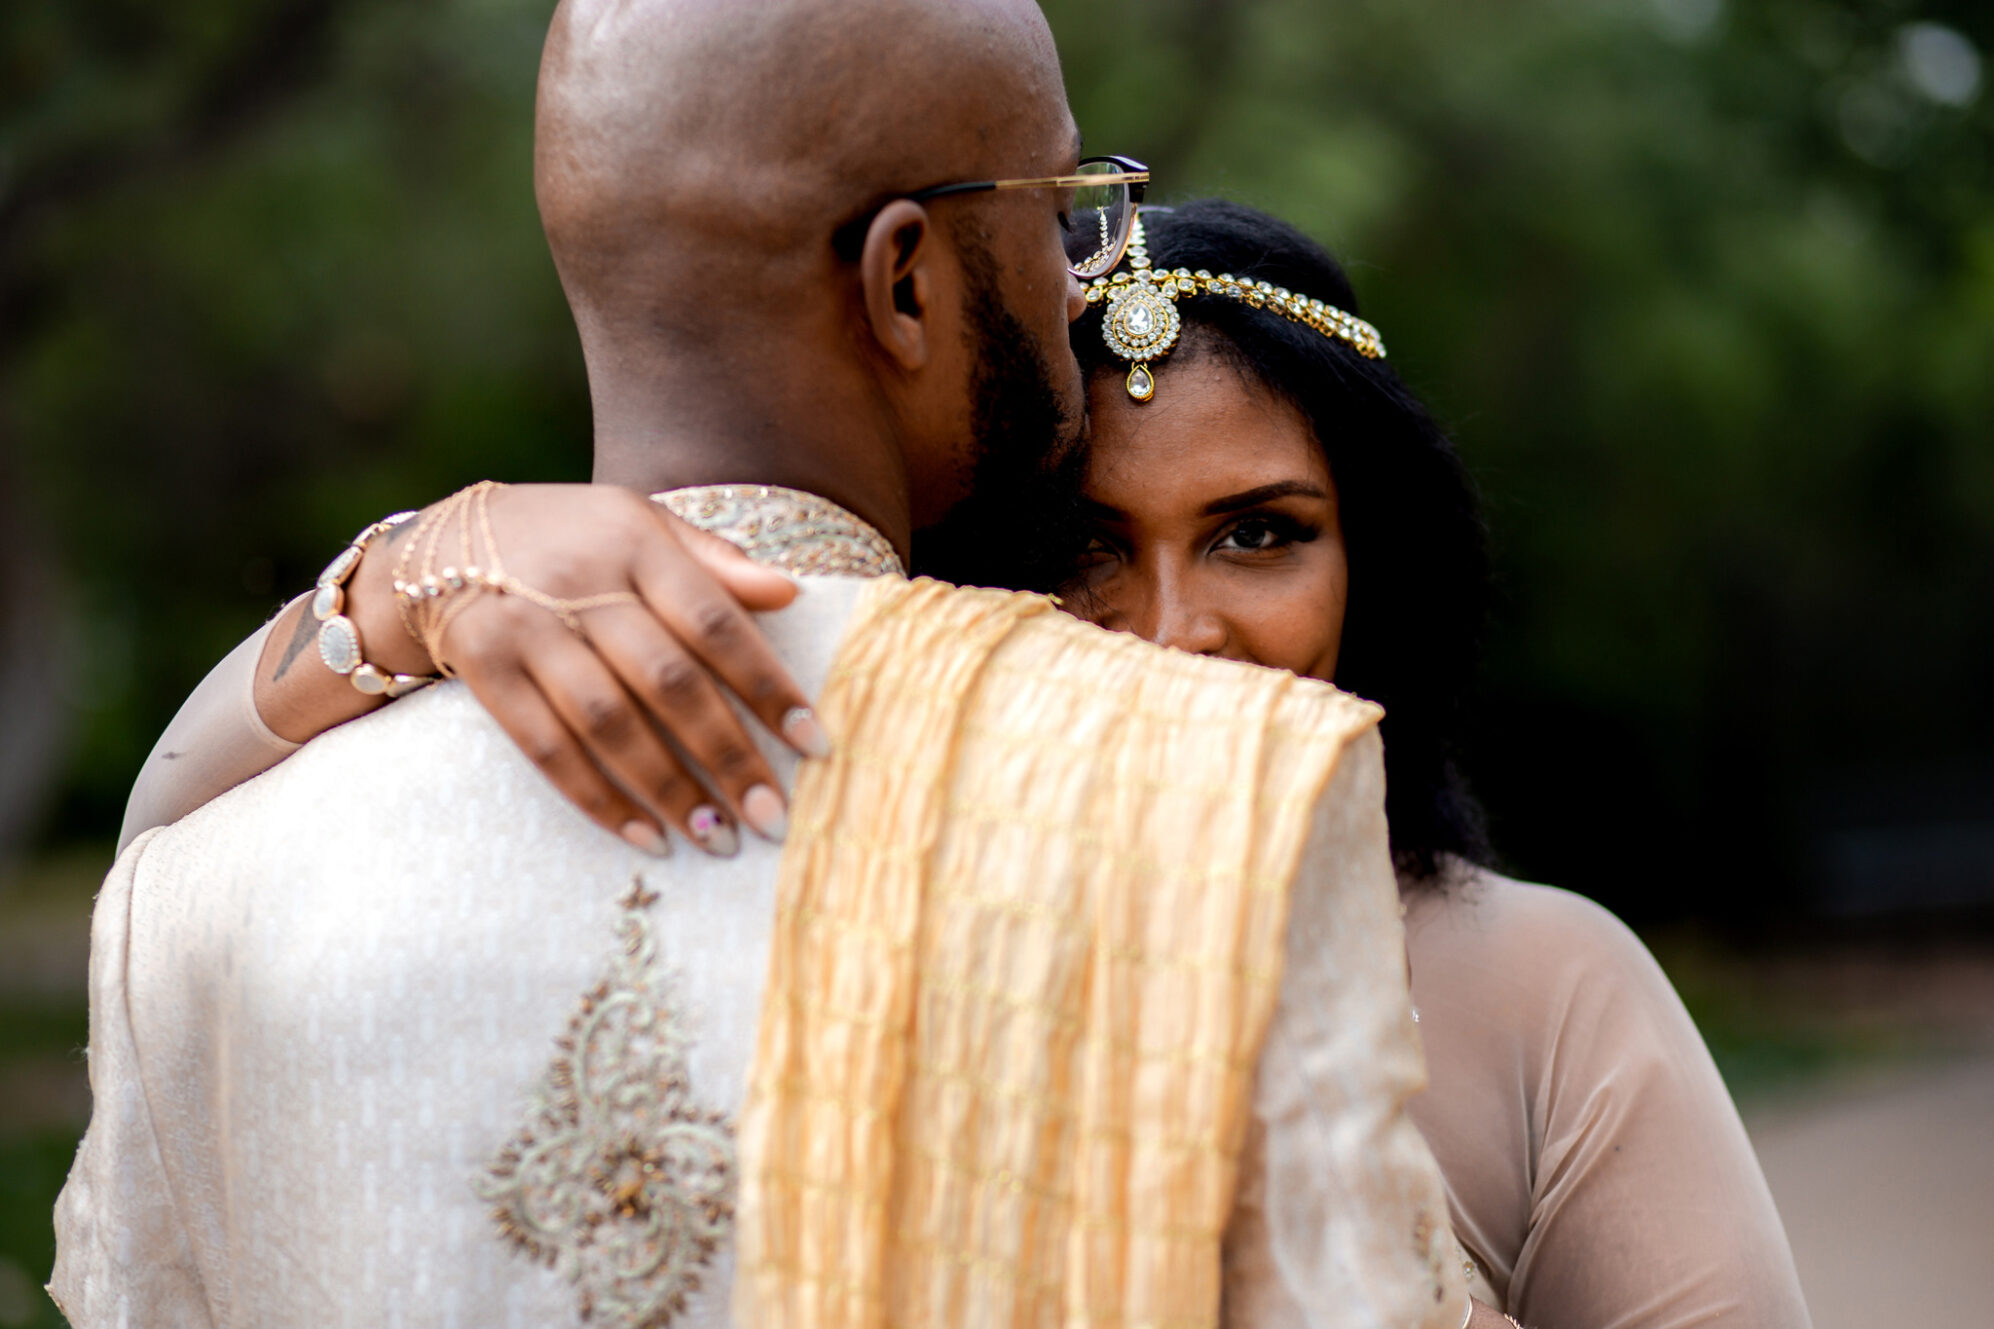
x=269, y=266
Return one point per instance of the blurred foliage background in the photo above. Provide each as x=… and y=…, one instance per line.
x=1706, y=292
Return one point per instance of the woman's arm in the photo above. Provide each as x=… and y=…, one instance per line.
x=215, y=742
x=1594, y=1162
x=591, y=709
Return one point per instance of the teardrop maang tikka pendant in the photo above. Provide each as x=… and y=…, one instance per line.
x=1140, y=325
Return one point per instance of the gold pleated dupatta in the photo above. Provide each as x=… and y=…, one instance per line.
x=1028, y=942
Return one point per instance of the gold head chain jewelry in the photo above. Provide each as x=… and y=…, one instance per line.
x=1141, y=322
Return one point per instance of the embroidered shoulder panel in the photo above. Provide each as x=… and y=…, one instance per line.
x=787, y=528
x=619, y=1181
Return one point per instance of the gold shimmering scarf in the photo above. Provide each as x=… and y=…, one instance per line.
x=1025, y=955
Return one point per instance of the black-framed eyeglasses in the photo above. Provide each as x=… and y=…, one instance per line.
x=1106, y=191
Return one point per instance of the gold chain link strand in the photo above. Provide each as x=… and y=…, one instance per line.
x=431, y=597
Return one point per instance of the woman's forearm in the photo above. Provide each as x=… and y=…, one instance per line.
x=215, y=742
x=668, y=637
x=296, y=695
x=268, y=696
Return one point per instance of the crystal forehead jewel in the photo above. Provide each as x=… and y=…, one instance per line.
x=1141, y=322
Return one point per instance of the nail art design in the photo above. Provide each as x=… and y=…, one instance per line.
x=711, y=832
x=800, y=727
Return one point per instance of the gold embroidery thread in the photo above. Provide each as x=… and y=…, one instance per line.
x=787, y=528
x=619, y=1181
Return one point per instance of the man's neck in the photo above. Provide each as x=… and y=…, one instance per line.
x=674, y=439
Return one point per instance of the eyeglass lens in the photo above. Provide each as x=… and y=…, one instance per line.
x=1099, y=221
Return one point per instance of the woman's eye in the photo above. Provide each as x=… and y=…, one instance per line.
x=1253, y=533
x=1259, y=535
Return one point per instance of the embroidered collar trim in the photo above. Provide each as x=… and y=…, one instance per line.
x=798, y=532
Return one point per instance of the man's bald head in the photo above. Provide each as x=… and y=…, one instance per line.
x=724, y=186
x=694, y=156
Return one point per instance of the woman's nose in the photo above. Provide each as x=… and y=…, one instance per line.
x=1186, y=623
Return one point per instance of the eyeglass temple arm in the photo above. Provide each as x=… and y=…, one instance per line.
x=1132, y=178
x=1063, y=181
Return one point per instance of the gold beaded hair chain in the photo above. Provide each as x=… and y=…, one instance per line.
x=1141, y=322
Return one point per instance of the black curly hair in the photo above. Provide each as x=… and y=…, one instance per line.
x=1412, y=525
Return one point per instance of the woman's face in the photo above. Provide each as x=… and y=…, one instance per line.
x=1214, y=521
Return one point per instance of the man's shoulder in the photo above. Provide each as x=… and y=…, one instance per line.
x=413, y=821
x=388, y=776
x=433, y=739
x=437, y=759
x=807, y=633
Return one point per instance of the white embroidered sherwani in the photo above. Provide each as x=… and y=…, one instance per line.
x=387, y=1035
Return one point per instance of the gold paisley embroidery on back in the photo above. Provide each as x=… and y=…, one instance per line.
x=618, y=1181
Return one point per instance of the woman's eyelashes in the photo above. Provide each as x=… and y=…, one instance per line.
x=1258, y=533
x=1099, y=543
x=1265, y=533
x=1098, y=557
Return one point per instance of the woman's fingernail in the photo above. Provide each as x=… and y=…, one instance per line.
x=711, y=832
x=643, y=835
x=763, y=809
x=800, y=727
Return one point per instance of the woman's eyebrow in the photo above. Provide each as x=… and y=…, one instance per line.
x=1263, y=494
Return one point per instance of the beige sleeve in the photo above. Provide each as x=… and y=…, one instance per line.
x=122, y=1255
x=215, y=742
x=1595, y=1163
x=1342, y=1216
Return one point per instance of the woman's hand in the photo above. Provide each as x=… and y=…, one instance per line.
x=589, y=709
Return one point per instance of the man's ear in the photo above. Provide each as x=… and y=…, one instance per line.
x=896, y=271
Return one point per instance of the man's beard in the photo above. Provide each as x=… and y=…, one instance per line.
x=1019, y=527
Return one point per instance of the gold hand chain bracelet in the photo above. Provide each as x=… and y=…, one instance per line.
x=430, y=597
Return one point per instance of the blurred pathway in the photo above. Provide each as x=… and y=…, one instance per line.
x=1888, y=1194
